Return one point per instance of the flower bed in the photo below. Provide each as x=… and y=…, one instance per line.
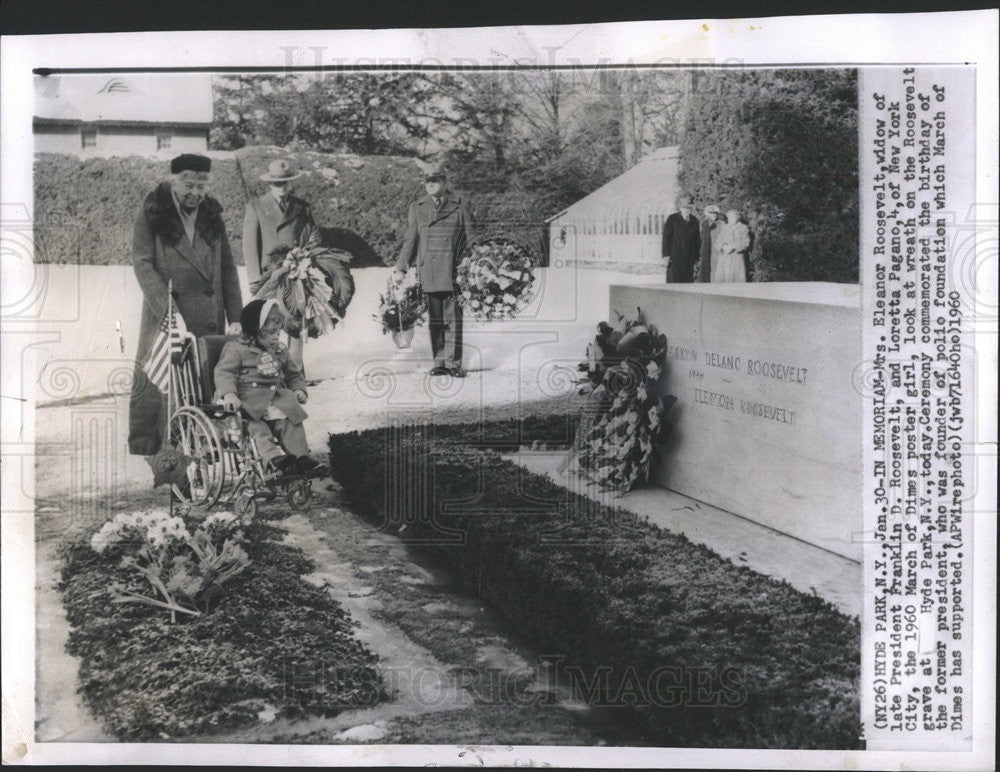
x=261, y=643
x=705, y=652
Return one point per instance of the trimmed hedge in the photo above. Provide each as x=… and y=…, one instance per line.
x=271, y=642
x=359, y=200
x=782, y=147
x=84, y=209
x=648, y=618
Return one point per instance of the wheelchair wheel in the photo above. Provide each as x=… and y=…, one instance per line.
x=300, y=495
x=245, y=505
x=196, y=436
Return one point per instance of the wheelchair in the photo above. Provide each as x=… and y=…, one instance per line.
x=226, y=466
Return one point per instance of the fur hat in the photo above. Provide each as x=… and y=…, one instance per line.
x=254, y=315
x=190, y=162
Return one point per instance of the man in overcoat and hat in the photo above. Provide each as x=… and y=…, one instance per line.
x=439, y=226
x=681, y=242
x=275, y=218
x=179, y=236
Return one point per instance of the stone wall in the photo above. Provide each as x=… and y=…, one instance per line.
x=767, y=423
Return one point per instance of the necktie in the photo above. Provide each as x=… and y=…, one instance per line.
x=283, y=203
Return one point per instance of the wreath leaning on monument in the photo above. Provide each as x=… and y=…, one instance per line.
x=496, y=278
x=312, y=282
x=624, y=418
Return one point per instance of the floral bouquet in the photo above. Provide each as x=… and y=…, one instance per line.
x=496, y=279
x=625, y=418
x=312, y=282
x=184, y=567
x=402, y=307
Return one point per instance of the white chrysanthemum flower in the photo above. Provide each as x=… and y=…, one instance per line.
x=224, y=519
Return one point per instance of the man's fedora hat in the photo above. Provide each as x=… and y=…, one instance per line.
x=433, y=172
x=280, y=171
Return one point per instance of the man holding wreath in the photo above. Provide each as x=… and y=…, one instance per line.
x=276, y=218
x=439, y=226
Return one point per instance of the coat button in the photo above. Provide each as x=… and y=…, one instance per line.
x=209, y=292
x=211, y=326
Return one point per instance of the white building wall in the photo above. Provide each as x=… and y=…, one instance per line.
x=569, y=241
x=119, y=141
x=57, y=142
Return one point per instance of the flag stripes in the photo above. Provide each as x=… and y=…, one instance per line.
x=167, y=347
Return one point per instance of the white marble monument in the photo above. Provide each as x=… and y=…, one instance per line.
x=767, y=423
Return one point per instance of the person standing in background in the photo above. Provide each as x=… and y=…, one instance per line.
x=276, y=218
x=439, y=226
x=681, y=242
x=709, y=227
x=734, y=241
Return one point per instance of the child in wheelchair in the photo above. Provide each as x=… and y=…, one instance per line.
x=255, y=373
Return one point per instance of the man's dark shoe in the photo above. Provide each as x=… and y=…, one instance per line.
x=456, y=372
x=439, y=370
x=310, y=467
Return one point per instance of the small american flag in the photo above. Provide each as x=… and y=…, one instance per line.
x=167, y=347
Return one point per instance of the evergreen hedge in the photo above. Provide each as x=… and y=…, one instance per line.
x=704, y=652
x=271, y=642
x=85, y=208
x=360, y=201
x=782, y=147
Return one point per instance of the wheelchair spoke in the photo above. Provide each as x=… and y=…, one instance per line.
x=197, y=438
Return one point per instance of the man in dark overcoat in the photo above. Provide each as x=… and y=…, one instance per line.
x=179, y=236
x=439, y=226
x=274, y=219
x=708, y=232
x=681, y=242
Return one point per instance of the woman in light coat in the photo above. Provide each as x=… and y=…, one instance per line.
x=734, y=240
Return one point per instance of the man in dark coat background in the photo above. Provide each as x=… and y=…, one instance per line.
x=681, y=242
x=179, y=236
x=276, y=218
x=439, y=225
x=708, y=228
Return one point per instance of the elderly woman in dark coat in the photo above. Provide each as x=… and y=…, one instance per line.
x=179, y=237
